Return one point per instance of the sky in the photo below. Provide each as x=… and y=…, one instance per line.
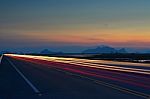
x=53, y=23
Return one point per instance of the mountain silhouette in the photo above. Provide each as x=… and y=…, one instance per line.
x=122, y=50
x=46, y=51
x=104, y=49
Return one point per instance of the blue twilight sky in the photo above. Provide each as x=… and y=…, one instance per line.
x=26, y=24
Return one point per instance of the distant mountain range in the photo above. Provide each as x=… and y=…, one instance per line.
x=100, y=49
x=77, y=49
x=46, y=51
x=104, y=49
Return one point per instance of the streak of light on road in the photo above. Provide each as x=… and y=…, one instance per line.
x=94, y=68
x=87, y=63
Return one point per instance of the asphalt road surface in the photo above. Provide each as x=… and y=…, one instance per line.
x=37, y=77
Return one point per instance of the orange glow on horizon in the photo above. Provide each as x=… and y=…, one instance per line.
x=131, y=38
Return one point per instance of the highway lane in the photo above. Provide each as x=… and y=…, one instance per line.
x=122, y=74
x=56, y=83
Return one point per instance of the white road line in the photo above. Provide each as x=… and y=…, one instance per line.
x=25, y=78
x=1, y=59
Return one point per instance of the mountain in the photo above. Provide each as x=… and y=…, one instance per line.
x=104, y=49
x=122, y=50
x=46, y=51
x=101, y=49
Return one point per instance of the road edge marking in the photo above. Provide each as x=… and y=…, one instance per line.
x=25, y=78
x=1, y=58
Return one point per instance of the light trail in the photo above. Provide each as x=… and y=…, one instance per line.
x=143, y=71
x=86, y=63
x=92, y=69
x=82, y=66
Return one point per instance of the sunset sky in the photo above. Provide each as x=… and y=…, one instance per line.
x=40, y=23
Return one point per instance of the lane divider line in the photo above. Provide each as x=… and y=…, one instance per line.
x=25, y=78
x=126, y=90
x=1, y=58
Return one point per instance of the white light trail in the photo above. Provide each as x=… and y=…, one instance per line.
x=89, y=63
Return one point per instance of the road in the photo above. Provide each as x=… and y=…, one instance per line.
x=38, y=77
